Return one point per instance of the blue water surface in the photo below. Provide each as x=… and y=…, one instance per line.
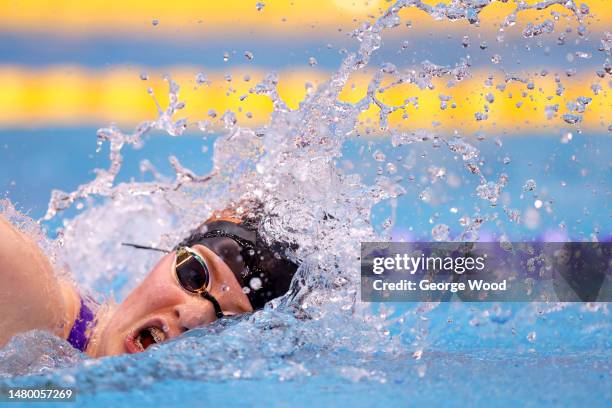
x=573, y=178
x=476, y=355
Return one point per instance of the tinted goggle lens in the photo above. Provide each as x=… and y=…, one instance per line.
x=191, y=270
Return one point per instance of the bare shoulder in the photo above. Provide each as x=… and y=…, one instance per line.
x=31, y=296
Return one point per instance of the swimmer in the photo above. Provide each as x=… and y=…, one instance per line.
x=223, y=269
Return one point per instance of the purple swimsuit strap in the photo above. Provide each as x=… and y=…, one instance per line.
x=78, y=337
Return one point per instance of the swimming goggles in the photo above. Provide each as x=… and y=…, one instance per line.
x=260, y=268
x=193, y=276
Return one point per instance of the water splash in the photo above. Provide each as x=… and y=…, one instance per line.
x=288, y=165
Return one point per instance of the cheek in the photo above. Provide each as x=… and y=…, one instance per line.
x=157, y=293
x=195, y=313
x=159, y=286
x=152, y=295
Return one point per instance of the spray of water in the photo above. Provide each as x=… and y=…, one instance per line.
x=289, y=166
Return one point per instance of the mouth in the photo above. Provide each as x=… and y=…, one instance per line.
x=149, y=334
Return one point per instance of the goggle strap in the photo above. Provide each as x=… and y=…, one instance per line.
x=216, y=305
x=138, y=246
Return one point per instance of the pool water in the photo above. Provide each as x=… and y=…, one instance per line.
x=449, y=379
x=574, y=177
x=327, y=185
x=454, y=354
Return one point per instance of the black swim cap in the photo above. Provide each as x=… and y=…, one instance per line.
x=263, y=270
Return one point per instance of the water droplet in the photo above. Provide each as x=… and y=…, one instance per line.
x=229, y=119
x=531, y=337
x=155, y=22
x=571, y=118
x=379, y=156
x=201, y=78
x=538, y=204
x=514, y=215
x=144, y=76
x=203, y=125
x=582, y=102
x=489, y=191
x=249, y=55
x=260, y=5
x=566, y=137
x=255, y=283
x=496, y=58
x=388, y=68
x=481, y=116
x=583, y=54
x=425, y=195
x=440, y=232
x=503, y=180
x=530, y=185
x=465, y=41
x=444, y=101
x=584, y=9
x=506, y=160
x=226, y=56
x=551, y=110
x=312, y=61
x=548, y=26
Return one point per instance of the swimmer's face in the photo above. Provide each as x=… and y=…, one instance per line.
x=160, y=308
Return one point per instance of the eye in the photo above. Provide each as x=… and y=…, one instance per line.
x=192, y=274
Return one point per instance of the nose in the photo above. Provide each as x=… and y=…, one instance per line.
x=190, y=315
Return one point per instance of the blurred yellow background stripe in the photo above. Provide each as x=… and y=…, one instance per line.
x=71, y=95
x=236, y=17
